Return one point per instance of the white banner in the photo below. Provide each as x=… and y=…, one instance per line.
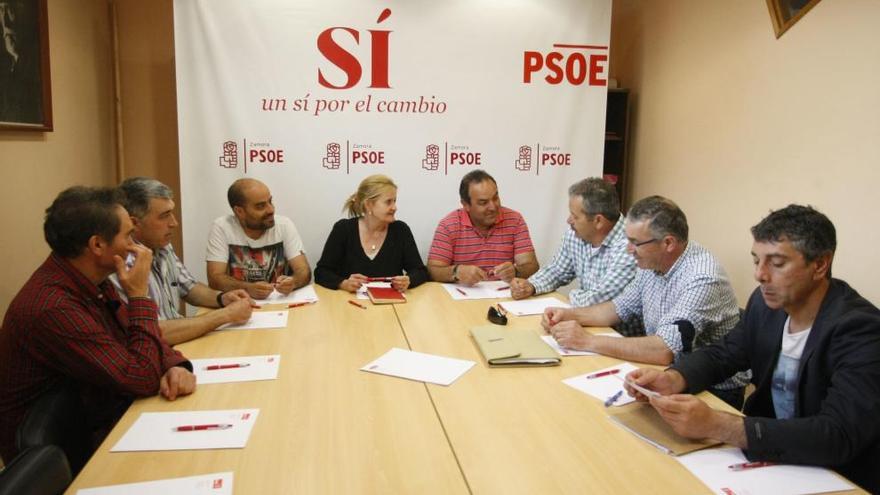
x=312, y=96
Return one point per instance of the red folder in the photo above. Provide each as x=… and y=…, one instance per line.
x=385, y=295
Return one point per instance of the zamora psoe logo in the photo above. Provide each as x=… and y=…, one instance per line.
x=524, y=163
x=229, y=158
x=432, y=157
x=334, y=156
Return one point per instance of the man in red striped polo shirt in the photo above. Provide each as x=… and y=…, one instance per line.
x=482, y=240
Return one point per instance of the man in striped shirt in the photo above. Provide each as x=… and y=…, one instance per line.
x=151, y=206
x=681, y=292
x=482, y=240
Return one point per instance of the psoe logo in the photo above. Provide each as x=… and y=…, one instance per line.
x=229, y=158
x=575, y=64
x=432, y=157
x=333, y=158
x=349, y=63
x=252, y=153
x=524, y=162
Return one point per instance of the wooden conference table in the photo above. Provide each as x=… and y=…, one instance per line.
x=326, y=427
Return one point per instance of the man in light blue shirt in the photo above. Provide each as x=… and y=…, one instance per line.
x=680, y=291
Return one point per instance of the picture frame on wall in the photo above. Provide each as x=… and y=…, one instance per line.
x=25, y=85
x=785, y=13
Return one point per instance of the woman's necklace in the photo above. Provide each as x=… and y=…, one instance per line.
x=375, y=237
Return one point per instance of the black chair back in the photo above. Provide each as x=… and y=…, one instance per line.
x=36, y=471
x=57, y=418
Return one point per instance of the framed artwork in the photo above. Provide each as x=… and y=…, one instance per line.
x=785, y=13
x=25, y=86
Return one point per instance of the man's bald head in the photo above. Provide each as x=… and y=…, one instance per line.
x=237, y=193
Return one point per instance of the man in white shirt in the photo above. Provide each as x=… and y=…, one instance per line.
x=253, y=249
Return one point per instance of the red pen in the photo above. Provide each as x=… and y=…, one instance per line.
x=461, y=291
x=603, y=373
x=215, y=367
x=296, y=305
x=503, y=288
x=218, y=426
x=355, y=303
x=379, y=279
x=749, y=465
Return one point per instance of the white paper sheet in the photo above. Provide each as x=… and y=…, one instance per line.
x=303, y=294
x=481, y=290
x=260, y=320
x=605, y=386
x=362, y=292
x=537, y=306
x=711, y=467
x=564, y=351
x=258, y=368
x=419, y=366
x=206, y=484
x=157, y=431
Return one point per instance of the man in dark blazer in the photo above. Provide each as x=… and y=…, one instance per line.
x=813, y=345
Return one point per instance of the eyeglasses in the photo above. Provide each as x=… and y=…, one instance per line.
x=642, y=243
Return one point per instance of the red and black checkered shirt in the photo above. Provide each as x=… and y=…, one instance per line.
x=61, y=327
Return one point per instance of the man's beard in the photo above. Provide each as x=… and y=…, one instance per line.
x=263, y=224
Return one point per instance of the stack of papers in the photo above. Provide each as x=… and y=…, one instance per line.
x=206, y=484
x=303, y=294
x=419, y=366
x=236, y=369
x=537, y=306
x=493, y=289
x=260, y=320
x=711, y=467
x=605, y=386
x=189, y=430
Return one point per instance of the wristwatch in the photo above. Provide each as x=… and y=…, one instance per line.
x=455, y=273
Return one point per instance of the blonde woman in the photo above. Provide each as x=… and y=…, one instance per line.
x=372, y=243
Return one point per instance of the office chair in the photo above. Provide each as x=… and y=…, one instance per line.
x=36, y=471
x=57, y=418
x=688, y=333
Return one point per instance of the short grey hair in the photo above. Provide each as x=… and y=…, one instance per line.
x=138, y=193
x=663, y=215
x=598, y=197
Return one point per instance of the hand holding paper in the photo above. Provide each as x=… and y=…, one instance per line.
x=692, y=418
x=645, y=382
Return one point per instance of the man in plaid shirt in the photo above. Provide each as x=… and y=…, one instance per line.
x=68, y=325
x=680, y=291
x=593, y=249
